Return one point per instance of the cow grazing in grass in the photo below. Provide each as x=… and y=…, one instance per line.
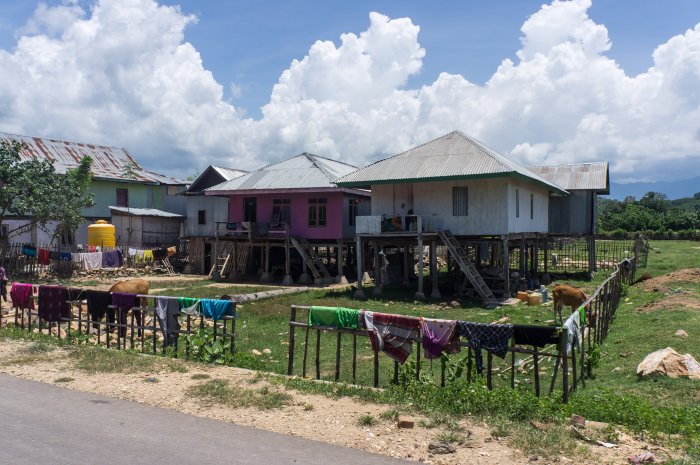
x=131, y=286
x=564, y=294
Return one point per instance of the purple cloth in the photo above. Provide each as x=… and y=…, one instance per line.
x=21, y=295
x=53, y=303
x=112, y=259
x=124, y=303
x=438, y=336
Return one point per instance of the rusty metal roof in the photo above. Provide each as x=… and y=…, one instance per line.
x=107, y=162
x=579, y=176
x=305, y=171
x=452, y=156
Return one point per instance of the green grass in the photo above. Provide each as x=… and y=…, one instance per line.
x=64, y=379
x=366, y=420
x=94, y=360
x=204, y=289
x=219, y=391
x=200, y=376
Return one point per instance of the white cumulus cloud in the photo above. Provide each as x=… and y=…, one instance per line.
x=122, y=73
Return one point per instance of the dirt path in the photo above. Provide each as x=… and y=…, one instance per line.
x=310, y=416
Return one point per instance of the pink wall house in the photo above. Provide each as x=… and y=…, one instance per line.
x=300, y=192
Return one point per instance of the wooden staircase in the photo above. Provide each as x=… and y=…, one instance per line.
x=243, y=254
x=221, y=264
x=467, y=267
x=312, y=261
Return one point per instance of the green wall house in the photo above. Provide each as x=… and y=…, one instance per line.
x=117, y=181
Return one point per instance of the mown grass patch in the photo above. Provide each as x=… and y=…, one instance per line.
x=94, y=360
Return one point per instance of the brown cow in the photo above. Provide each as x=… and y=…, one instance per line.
x=131, y=286
x=564, y=294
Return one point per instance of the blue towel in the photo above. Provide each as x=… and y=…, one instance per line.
x=216, y=309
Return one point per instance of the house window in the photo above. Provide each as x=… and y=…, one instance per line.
x=352, y=211
x=532, y=206
x=4, y=231
x=281, y=211
x=317, y=212
x=201, y=217
x=460, y=201
x=517, y=203
x=122, y=197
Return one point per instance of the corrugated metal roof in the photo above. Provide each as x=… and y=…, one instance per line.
x=107, y=162
x=305, y=171
x=145, y=212
x=228, y=173
x=452, y=156
x=579, y=176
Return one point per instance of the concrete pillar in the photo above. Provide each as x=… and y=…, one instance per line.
x=419, y=293
x=341, y=279
x=435, y=294
x=359, y=293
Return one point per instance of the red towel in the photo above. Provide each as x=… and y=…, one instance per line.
x=21, y=295
x=392, y=334
x=44, y=257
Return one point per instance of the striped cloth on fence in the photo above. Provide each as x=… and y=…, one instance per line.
x=493, y=338
x=392, y=334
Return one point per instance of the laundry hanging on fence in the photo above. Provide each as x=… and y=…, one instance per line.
x=493, y=338
x=573, y=325
x=21, y=296
x=538, y=336
x=54, y=255
x=97, y=305
x=124, y=303
x=147, y=255
x=65, y=256
x=216, y=309
x=44, y=257
x=335, y=317
x=392, y=334
x=167, y=311
x=29, y=250
x=53, y=303
x=88, y=261
x=112, y=259
x=439, y=336
x=189, y=305
x=160, y=253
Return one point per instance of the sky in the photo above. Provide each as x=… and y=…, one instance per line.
x=185, y=84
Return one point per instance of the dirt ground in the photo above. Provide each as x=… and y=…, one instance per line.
x=330, y=420
x=681, y=289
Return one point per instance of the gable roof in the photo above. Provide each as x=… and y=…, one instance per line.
x=305, y=171
x=452, y=156
x=212, y=176
x=107, y=162
x=144, y=212
x=577, y=176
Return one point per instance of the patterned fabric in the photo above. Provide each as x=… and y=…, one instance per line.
x=335, y=317
x=65, y=256
x=493, y=338
x=439, y=336
x=53, y=303
x=538, y=336
x=216, y=309
x=189, y=305
x=21, y=295
x=573, y=324
x=392, y=334
x=148, y=255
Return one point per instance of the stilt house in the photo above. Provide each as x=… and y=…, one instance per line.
x=455, y=191
x=290, y=218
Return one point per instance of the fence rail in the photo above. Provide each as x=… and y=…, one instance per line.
x=569, y=369
x=137, y=329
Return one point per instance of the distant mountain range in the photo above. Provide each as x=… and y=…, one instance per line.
x=673, y=189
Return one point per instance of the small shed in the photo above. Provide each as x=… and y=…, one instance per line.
x=146, y=227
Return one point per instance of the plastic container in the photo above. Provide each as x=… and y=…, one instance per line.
x=101, y=234
x=522, y=296
x=534, y=299
x=543, y=292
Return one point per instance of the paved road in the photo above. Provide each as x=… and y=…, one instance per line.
x=44, y=424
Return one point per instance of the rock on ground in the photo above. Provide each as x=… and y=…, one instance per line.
x=668, y=362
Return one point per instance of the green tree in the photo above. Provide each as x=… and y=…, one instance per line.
x=655, y=201
x=32, y=188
